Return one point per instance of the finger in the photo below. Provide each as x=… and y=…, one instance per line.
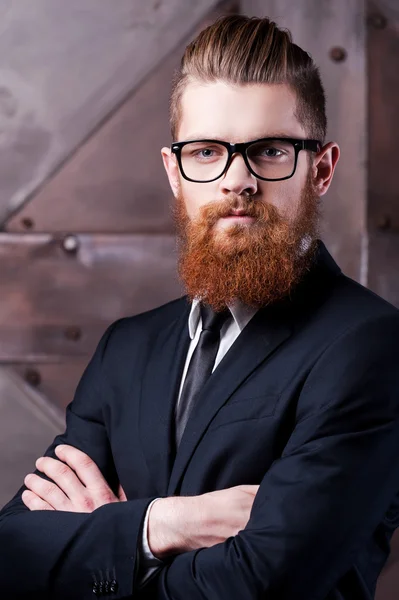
x=47, y=491
x=121, y=494
x=33, y=502
x=62, y=475
x=84, y=466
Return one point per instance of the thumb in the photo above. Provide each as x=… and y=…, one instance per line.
x=249, y=489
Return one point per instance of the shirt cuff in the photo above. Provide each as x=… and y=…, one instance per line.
x=147, y=557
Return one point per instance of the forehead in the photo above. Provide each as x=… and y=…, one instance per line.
x=237, y=112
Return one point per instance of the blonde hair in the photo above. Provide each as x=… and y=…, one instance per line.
x=243, y=50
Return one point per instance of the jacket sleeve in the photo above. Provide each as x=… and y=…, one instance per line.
x=54, y=554
x=320, y=502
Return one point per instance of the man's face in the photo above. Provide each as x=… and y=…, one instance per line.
x=240, y=114
x=242, y=237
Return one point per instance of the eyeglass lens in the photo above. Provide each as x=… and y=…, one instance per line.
x=272, y=159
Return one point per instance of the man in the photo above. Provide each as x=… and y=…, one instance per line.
x=240, y=442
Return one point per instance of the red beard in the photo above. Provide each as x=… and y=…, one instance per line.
x=258, y=264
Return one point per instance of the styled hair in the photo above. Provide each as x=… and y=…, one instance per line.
x=248, y=50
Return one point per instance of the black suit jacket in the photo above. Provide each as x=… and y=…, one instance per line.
x=305, y=403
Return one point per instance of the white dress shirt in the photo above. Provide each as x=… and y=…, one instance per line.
x=231, y=329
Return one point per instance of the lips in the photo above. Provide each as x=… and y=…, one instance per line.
x=238, y=213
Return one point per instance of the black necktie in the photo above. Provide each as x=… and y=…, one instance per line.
x=201, y=364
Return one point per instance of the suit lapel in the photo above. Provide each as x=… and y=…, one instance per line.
x=158, y=394
x=263, y=334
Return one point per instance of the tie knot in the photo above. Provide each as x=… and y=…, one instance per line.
x=211, y=320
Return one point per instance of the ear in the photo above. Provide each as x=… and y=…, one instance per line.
x=171, y=168
x=324, y=165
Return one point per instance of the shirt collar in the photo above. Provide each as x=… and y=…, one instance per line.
x=242, y=314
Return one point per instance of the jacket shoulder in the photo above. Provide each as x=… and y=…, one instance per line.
x=147, y=323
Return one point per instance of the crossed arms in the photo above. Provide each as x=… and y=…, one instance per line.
x=315, y=509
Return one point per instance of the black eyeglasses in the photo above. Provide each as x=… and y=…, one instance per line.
x=270, y=159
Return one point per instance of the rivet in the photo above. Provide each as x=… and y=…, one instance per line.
x=377, y=20
x=338, y=54
x=27, y=223
x=73, y=334
x=70, y=244
x=33, y=377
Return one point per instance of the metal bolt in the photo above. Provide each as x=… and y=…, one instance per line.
x=70, y=244
x=73, y=334
x=377, y=20
x=27, y=223
x=338, y=54
x=33, y=377
x=384, y=223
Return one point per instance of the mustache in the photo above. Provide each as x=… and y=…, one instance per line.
x=218, y=209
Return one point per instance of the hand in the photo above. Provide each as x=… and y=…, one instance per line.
x=183, y=523
x=77, y=484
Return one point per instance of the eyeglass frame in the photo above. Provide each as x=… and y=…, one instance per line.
x=241, y=148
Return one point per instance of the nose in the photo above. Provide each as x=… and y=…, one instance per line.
x=238, y=178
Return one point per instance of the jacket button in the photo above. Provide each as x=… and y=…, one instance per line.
x=107, y=586
x=101, y=588
x=96, y=589
x=113, y=588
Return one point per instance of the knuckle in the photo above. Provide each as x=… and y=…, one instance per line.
x=62, y=469
x=48, y=489
x=85, y=461
x=107, y=497
x=88, y=503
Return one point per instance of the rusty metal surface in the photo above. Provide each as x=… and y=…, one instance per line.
x=28, y=423
x=57, y=381
x=383, y=59
x=383, y=207
x=384, y=265
x=330, y=30
x=116, y=181
x=56, y=304
x=64, y=67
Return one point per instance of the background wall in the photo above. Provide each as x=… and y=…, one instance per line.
x=86, y=234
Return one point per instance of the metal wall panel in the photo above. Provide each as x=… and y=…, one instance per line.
x=64, y=66
x=27, y=423
x=383, y=206
x=50, y=293
x=115, y=182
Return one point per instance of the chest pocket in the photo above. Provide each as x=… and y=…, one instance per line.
x=257, y=407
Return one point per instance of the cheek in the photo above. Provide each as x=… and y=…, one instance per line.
x=284, y=195
x=196, y=195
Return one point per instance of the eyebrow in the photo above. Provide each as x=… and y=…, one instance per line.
x=273, y=134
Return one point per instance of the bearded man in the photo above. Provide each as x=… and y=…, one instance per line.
x=242, y=441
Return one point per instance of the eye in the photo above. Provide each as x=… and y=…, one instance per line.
x=272, y=152
x=205, y=153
